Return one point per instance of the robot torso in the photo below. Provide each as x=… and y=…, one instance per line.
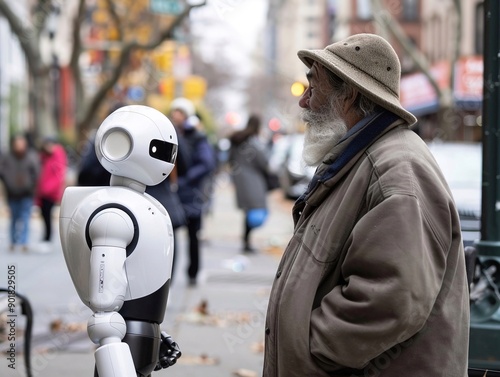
x=150, y=253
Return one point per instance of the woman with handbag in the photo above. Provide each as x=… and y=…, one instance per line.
x=249, y=172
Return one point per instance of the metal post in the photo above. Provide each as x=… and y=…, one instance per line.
x=490, y=224
x=484, y=348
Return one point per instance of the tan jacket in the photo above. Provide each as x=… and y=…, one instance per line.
x=373, y=280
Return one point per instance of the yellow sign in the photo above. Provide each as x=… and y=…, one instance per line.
x=194, y=87
x=167, y=87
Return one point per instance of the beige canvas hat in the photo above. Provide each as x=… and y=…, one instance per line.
x=368, y=62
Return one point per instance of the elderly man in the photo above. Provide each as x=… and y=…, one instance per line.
x=373, y=281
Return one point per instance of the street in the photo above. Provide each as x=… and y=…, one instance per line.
x=219, y=324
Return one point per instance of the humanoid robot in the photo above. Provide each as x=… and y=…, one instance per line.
x=118, y=244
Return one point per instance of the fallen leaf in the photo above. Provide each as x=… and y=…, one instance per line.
x=245, y=373
x=198, y=360
x=56, y=325
x=258, y=347
x=202, y=307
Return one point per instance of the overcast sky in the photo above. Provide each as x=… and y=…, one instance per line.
x=229, y=30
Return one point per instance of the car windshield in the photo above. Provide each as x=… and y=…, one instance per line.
x=461, y=164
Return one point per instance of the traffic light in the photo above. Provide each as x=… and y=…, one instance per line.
x=297, y=89
x=274, y=124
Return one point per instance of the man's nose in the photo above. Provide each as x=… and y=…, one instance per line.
x=304, y=99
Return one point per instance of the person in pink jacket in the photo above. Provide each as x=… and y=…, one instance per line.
x=51, y=181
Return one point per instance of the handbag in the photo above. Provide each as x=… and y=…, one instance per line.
x=256, y=217
x=169, y=199
x=272, y=181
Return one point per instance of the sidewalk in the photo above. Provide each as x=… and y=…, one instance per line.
x=219, y=324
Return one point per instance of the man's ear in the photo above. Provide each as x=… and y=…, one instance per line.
x=350, y=99
x=351, y=116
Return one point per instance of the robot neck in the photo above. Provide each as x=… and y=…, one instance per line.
x=128, y=182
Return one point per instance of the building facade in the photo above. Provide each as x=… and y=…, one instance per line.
x=434, y=39
x=292, y=25
x=13, y=82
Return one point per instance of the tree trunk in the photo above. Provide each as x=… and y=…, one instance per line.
x=43, y=99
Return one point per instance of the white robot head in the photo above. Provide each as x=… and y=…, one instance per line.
x=137, y=142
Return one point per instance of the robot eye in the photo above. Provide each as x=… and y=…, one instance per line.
x=163, y=150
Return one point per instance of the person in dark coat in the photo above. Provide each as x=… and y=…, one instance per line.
x=192, y=182
x=249, y=169
x=91, y=172
x=19, y=171
x=166, y=192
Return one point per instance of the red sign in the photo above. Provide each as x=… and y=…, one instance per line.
x=416, y=90
x=469, y=78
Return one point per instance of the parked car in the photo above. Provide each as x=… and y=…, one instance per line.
x=461, y=164
x=286, y=161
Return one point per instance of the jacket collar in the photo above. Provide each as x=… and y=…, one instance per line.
x=343, y=155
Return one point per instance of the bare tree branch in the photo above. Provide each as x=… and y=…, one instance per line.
x=27, y=38
x=116, y=19
x=127, y=50
x=458, y=37
x=40, y=14
x=383, y=17
x=74, y=62
x=39, y=88
x=445, y=95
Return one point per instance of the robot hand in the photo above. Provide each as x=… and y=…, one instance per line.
x=169, y=352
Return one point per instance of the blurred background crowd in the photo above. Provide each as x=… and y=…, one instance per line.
x=65, y=65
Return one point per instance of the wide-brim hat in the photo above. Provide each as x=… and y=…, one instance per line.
x=369, y=63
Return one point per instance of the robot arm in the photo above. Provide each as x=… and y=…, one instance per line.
x=111, y=230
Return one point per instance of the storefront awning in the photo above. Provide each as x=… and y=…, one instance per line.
x=417, y=94
x=468, y=85
x=419, y=97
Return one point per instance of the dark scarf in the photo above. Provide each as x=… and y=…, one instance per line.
x=363, y=134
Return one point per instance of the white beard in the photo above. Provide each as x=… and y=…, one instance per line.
x=324, y=129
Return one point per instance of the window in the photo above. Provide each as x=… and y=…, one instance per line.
x=479, y=29
x=312, y=19
x=312, y=35
x=364, y=9
x=410, y=10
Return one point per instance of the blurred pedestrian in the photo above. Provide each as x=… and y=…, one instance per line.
x=91, y=172
x=191, y=182
x=19, y=171
x=166, y=192
x=51, y=183
x=249, y=169
x=373, y=282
